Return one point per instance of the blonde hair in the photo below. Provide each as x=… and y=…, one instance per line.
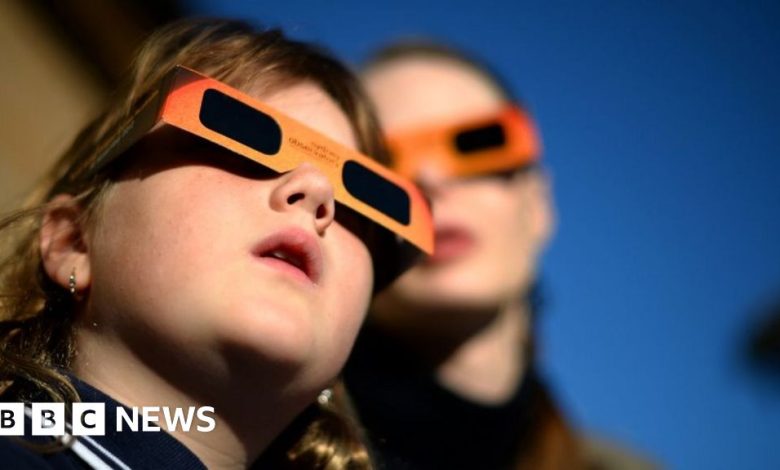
x=36, y=315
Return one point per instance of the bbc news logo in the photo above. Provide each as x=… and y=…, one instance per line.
x=89, y=419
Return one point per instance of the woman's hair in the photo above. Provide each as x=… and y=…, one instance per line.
x=547, y=440
x=423, y=49
x=37, y=343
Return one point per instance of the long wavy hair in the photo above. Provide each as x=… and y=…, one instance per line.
x=37, y=343
x=547, y=440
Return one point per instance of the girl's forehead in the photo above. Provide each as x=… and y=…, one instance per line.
x=308, y=103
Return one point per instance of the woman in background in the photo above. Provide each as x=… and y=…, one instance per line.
x=450, y=346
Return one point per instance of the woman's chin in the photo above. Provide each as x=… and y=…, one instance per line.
x=456, y=289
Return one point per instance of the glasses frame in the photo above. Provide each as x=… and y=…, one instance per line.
x=434, y=148
x=178, y=101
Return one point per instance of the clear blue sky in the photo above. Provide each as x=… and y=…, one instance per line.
x=661, y=125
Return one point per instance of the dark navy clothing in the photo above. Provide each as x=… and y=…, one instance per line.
x=114, y=450
x=413, y=422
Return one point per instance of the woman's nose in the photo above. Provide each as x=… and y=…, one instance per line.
x=431, y=180
x=308, y=189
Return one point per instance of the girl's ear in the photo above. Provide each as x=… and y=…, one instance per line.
x=63, y=244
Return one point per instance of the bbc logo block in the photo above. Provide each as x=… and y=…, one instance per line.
x=48, y=419
x=11, y=419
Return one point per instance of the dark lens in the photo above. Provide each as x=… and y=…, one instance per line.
x=376, y=191
x=244, y=124
x=481, y=138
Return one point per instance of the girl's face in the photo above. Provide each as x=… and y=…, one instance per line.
x=490, y=229
x=202, y=260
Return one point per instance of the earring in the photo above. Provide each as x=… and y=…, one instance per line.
x=72, y=282
x=325, y=396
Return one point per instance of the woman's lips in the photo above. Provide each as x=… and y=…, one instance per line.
x=294, y=252
x=451, y=242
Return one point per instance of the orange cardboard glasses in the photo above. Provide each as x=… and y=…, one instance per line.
x=488, y=144
x=235, y=121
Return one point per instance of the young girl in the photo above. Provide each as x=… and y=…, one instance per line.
x=204, y=245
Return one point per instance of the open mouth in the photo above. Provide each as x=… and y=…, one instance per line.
x=294, y=252
x=452, y=242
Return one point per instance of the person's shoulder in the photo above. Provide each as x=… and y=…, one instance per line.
x=16, y=452
x=606, y=454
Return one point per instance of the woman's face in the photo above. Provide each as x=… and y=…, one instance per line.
x=212, y=262
x=490, y=229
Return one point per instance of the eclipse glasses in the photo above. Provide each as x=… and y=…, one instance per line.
x=209, y=109
x=488, y=144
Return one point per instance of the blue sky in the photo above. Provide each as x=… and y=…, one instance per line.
x=661, y=126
